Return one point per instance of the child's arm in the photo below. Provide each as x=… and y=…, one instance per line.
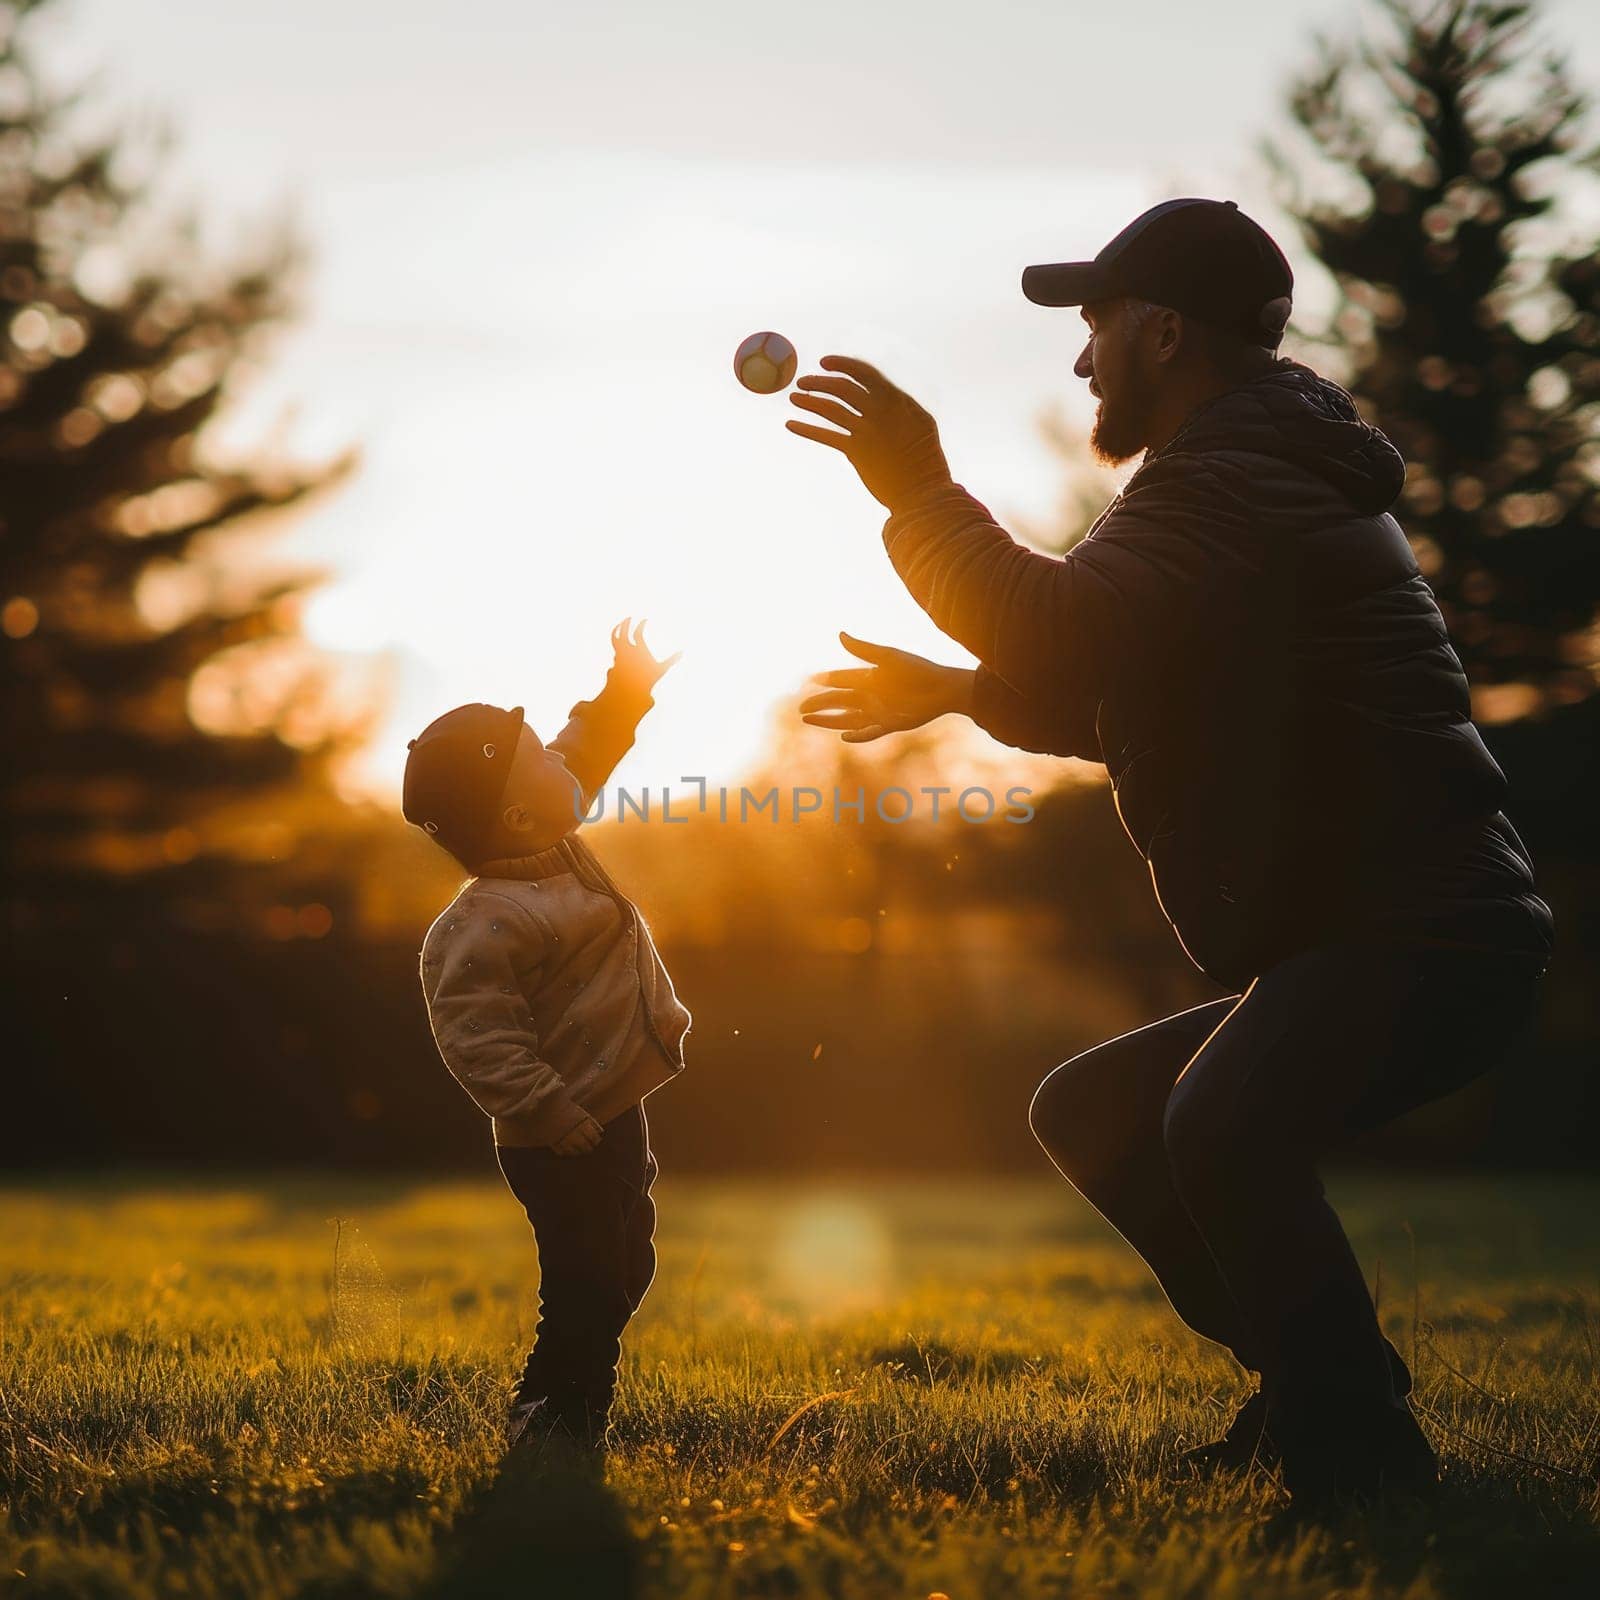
x=601, y=730
x=473, y=963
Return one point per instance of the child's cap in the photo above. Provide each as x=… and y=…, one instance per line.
x=456, y=773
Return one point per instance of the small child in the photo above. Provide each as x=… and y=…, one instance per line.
x=552, y=1009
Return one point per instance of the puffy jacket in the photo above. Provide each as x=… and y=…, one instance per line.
x=1245, y=640
x=547, y=998
x=546, y=995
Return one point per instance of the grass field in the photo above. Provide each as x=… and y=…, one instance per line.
x=295, y=1388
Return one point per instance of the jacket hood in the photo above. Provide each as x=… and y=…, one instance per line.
x=1293, y=414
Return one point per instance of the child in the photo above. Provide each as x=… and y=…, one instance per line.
x=551, y=1007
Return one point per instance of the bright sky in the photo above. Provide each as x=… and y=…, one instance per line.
x=540, y=230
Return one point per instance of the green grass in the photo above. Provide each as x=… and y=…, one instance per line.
x=857, y=1391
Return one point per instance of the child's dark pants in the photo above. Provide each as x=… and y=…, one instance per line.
x=594, y=1222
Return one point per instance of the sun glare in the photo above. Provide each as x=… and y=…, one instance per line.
x=569, y=446
x=832, y=1253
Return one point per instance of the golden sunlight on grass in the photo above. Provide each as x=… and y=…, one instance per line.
x=297, y=1388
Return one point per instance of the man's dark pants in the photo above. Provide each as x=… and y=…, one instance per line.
x=594, y=1222
x=1198, y=1138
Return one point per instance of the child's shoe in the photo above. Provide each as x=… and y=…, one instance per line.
x=532, y=1424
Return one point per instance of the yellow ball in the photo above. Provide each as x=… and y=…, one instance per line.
x=765, y=363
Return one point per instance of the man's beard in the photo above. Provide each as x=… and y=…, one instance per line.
x=1119, y=429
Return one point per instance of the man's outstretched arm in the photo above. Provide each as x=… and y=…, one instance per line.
x=1046, y=727
x=1056, y=630
x=1011, y=607
x=898, y=691
x=1031, y=619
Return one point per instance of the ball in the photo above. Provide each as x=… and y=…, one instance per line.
x=765, y=363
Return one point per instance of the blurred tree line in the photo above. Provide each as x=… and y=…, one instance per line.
x=168, y=722
x=1448, y=178
x=213, y=957
x=1445, y=169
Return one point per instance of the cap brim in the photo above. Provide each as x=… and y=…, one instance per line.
x=1067, y=283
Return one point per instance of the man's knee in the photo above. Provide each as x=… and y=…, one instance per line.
x=1062, y=1118
x=1102, y=1109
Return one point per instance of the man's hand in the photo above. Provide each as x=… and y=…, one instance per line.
x=579, y=1141
x=889, y=439
x=898, y=691
x=633, y=664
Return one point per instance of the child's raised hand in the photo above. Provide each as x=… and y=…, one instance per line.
x=633, y=661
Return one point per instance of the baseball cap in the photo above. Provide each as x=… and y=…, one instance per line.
x=456, y=773
x=1205, y=258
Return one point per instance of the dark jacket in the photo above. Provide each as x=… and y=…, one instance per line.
x=1245, y=640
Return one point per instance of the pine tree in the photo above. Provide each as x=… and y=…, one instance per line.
x=1443, y=152
x=149, y=682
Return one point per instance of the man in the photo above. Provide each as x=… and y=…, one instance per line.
x=1245, y=641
